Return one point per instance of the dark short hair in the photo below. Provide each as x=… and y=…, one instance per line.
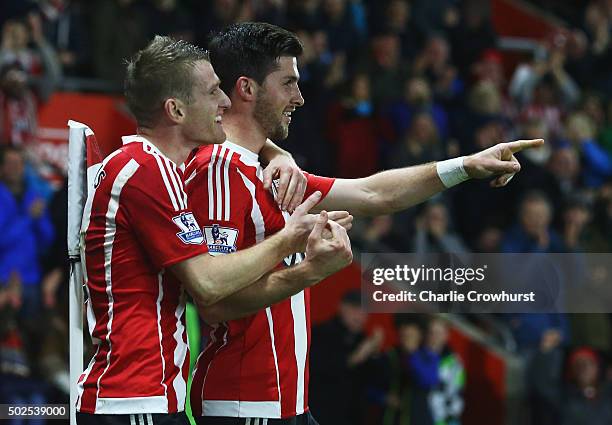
x=250, y=49
x=536, y=196
x=161, y=70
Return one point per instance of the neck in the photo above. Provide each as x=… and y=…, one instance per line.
x=244, y=131
x=170, y=142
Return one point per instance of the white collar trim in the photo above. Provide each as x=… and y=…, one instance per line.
x=148, y=145
x=247, y=155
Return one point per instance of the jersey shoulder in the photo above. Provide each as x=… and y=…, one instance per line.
x=211, y=161
x=155, y=174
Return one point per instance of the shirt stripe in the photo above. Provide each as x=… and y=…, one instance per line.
x=180, y=352
x=123, y=176
x=211, y=168
x=219, y=205
x=298, y=309
x=160, y=296
x=226, y=166
x=172, y=177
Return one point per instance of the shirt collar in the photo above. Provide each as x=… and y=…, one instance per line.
x=248, y=156
x=147, y=144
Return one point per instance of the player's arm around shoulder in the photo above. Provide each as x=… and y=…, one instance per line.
x=212, y=278
x=328, y=250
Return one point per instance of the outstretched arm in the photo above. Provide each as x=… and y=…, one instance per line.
x=395, y=190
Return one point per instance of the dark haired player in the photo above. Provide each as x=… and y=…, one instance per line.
x=256, y=364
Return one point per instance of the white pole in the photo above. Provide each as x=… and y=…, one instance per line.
x=77, y=194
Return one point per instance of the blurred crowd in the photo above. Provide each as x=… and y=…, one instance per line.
x=387, y=84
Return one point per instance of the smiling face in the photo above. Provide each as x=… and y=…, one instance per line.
x=277, y=98
x=203, y=114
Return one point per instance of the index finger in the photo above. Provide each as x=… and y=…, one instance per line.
x=283, y=184
x=519, y=145
x=290, y=192
x=309, y=203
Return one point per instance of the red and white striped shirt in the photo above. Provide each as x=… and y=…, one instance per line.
x=136, y=223
x=256, y=366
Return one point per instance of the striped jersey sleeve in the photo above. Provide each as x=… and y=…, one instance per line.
x=157, y=208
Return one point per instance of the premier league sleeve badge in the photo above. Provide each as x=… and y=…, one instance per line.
x=190, y=231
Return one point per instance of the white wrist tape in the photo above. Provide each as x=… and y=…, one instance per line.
x=451, y=171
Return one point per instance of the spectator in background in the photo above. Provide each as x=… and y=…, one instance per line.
x=564, y=165
x=408, y=374
x=26, y=229
x=433, y=234
x=110, y=46
x=544, y=372
x=579, y=60
x=17, y=386
x=18, y=108
x=320, y=73
x=341, y=364
x=587, y=397
x=553, y=172
x=489, y=67
x=357, y=132
x=435, y=17
x=386, y=68
x=600, y=230
x=545, y=81
x=446, y=400
x=417, y=99
x=598, y=27
x=473, y=36
x=338, y=22
x=592, y=105
x=596, y=162
x=433, y=63
x=576, y=215
x=65, y=29
x=377, y=234
x=420, y=144
x=467, y=200
x=24, y=43
x=485, y=100
x=395, y=17
x=483, y=121
x=533, y=231
x=543, y=89
x=489, y=240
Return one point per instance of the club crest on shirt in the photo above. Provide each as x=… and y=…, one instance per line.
x=220, y=240
x=190, y=231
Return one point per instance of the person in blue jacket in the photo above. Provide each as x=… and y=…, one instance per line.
x=25, y=229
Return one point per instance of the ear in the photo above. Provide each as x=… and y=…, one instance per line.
x=246, y=89
x=174, y=110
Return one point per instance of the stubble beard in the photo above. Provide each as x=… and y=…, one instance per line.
x=266, y=116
